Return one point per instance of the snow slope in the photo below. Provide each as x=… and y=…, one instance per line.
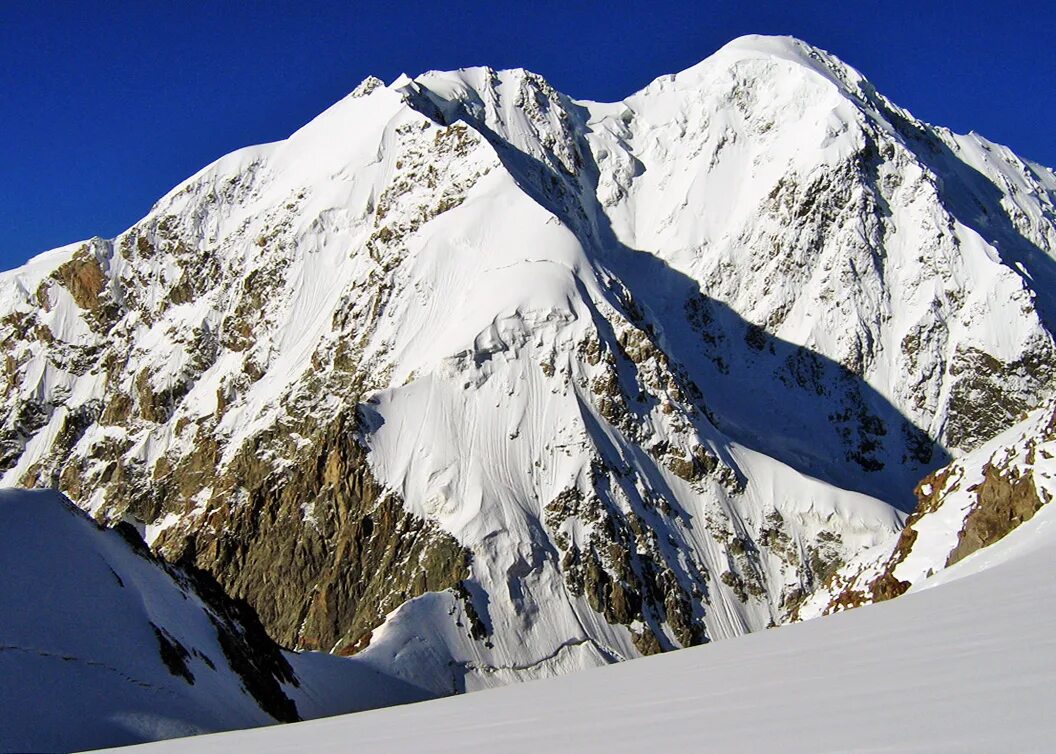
x=931, y=671
x=485, y=384
x=102, y=645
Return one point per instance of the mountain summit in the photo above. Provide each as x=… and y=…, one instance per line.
x=483, y=383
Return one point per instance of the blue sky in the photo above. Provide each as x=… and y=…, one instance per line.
x=105, y=106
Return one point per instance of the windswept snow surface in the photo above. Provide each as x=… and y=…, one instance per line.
x=966, y=662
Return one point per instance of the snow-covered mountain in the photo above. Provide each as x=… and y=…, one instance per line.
x=481, y=383
x=102, y=644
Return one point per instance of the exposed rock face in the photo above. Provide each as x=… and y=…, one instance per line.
x=563, y=382
x=1005, y=502
x=247, y=647
x=989, y=395
x=320, y=549
x=83, y=278
x=623, y=572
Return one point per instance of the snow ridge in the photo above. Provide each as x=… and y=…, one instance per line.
x=103, y=645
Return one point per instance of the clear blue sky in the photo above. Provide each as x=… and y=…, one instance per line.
x=105, y=106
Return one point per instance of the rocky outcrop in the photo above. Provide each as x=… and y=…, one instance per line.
x=962, y=508
x=1004, y=502
x=989, y=395
x=83, y=278
x=623, y=572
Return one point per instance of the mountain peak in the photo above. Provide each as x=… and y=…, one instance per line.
x=773, y=45
x=760, y=52
x=366, y=86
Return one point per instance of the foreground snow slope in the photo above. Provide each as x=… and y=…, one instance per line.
x=101, y=644
x=928, y=672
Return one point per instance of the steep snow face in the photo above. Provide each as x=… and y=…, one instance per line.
x=841, y=684
x=103, y=645
x=483, y=383
x=823, y=216
x=964, y=507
